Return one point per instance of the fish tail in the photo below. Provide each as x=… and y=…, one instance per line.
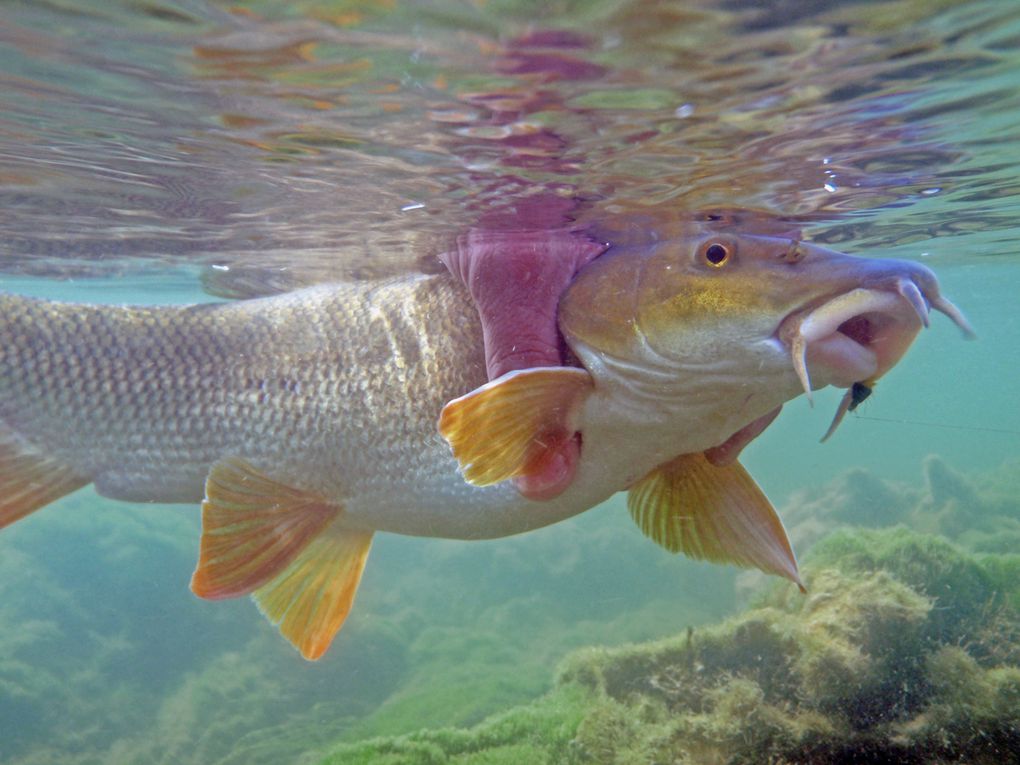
x=29, y=478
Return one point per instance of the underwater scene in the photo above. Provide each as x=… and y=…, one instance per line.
x=319, y=178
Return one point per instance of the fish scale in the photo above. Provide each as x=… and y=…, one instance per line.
x=155, y=396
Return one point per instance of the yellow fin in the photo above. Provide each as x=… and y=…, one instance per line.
x=28, y=479
x=711, y=512
x=506, y=427
x=252, y=529
x=310, y=600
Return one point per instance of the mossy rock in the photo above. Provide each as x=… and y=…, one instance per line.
x=963, y=591
x=868, y=667
x=540, y=733
x=862, y=672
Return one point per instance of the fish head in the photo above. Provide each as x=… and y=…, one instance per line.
x=745, y=321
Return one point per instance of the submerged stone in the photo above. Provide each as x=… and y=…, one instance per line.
x=906, y=649
x=855, y=672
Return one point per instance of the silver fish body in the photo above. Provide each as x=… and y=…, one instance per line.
x=333, y=389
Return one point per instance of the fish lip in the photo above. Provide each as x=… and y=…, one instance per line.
x=852, y=335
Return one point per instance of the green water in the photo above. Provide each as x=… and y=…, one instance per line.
x=157, y=152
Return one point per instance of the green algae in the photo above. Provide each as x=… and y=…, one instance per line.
x=907, y=645
x=539, y=733
x=906, y=649
x=444, y=634
x=980, y=512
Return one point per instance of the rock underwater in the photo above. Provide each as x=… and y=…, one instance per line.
x=905, y=650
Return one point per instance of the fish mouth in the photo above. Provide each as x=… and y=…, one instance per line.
x=859, y=335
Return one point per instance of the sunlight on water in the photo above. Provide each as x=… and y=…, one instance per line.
x=161, y=152
x=359, y=138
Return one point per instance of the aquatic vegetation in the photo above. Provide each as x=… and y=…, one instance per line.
x=905, y=639
x=541, y=733
x=981, y=511
x=882, y=661
x=906, y=649
x=101, y=664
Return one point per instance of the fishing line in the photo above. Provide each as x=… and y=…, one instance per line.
x=940, y=425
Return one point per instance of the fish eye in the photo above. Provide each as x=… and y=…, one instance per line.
x=717, y=254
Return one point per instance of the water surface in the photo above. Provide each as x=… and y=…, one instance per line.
x=168, y=152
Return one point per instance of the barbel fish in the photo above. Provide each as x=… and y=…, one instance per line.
x=306, y=422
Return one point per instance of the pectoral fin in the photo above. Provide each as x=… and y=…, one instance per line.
x=282, y=544
x=714, y=513
x=507, y=427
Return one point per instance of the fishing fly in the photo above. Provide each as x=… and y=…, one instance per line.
x=856, y=395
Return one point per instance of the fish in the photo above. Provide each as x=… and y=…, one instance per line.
x=305, y=423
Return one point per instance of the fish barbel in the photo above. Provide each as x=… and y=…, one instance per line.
x=306, y=422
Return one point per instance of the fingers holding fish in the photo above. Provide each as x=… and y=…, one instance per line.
x=516, y=279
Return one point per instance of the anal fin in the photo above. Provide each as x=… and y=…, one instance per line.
x=510, y=426
x=714, y=513
x=285, y=546
x=30, y=479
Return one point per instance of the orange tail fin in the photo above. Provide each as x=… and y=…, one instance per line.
x=30, y=479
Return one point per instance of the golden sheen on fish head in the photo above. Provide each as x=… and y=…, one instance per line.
x=688, y=297
x=697, y=294
x=750, y=304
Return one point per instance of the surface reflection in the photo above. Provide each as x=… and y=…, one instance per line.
x=346, y=139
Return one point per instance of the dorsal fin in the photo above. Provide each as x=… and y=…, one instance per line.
x=285, y=546
x=29, y=479
x=714, y=513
